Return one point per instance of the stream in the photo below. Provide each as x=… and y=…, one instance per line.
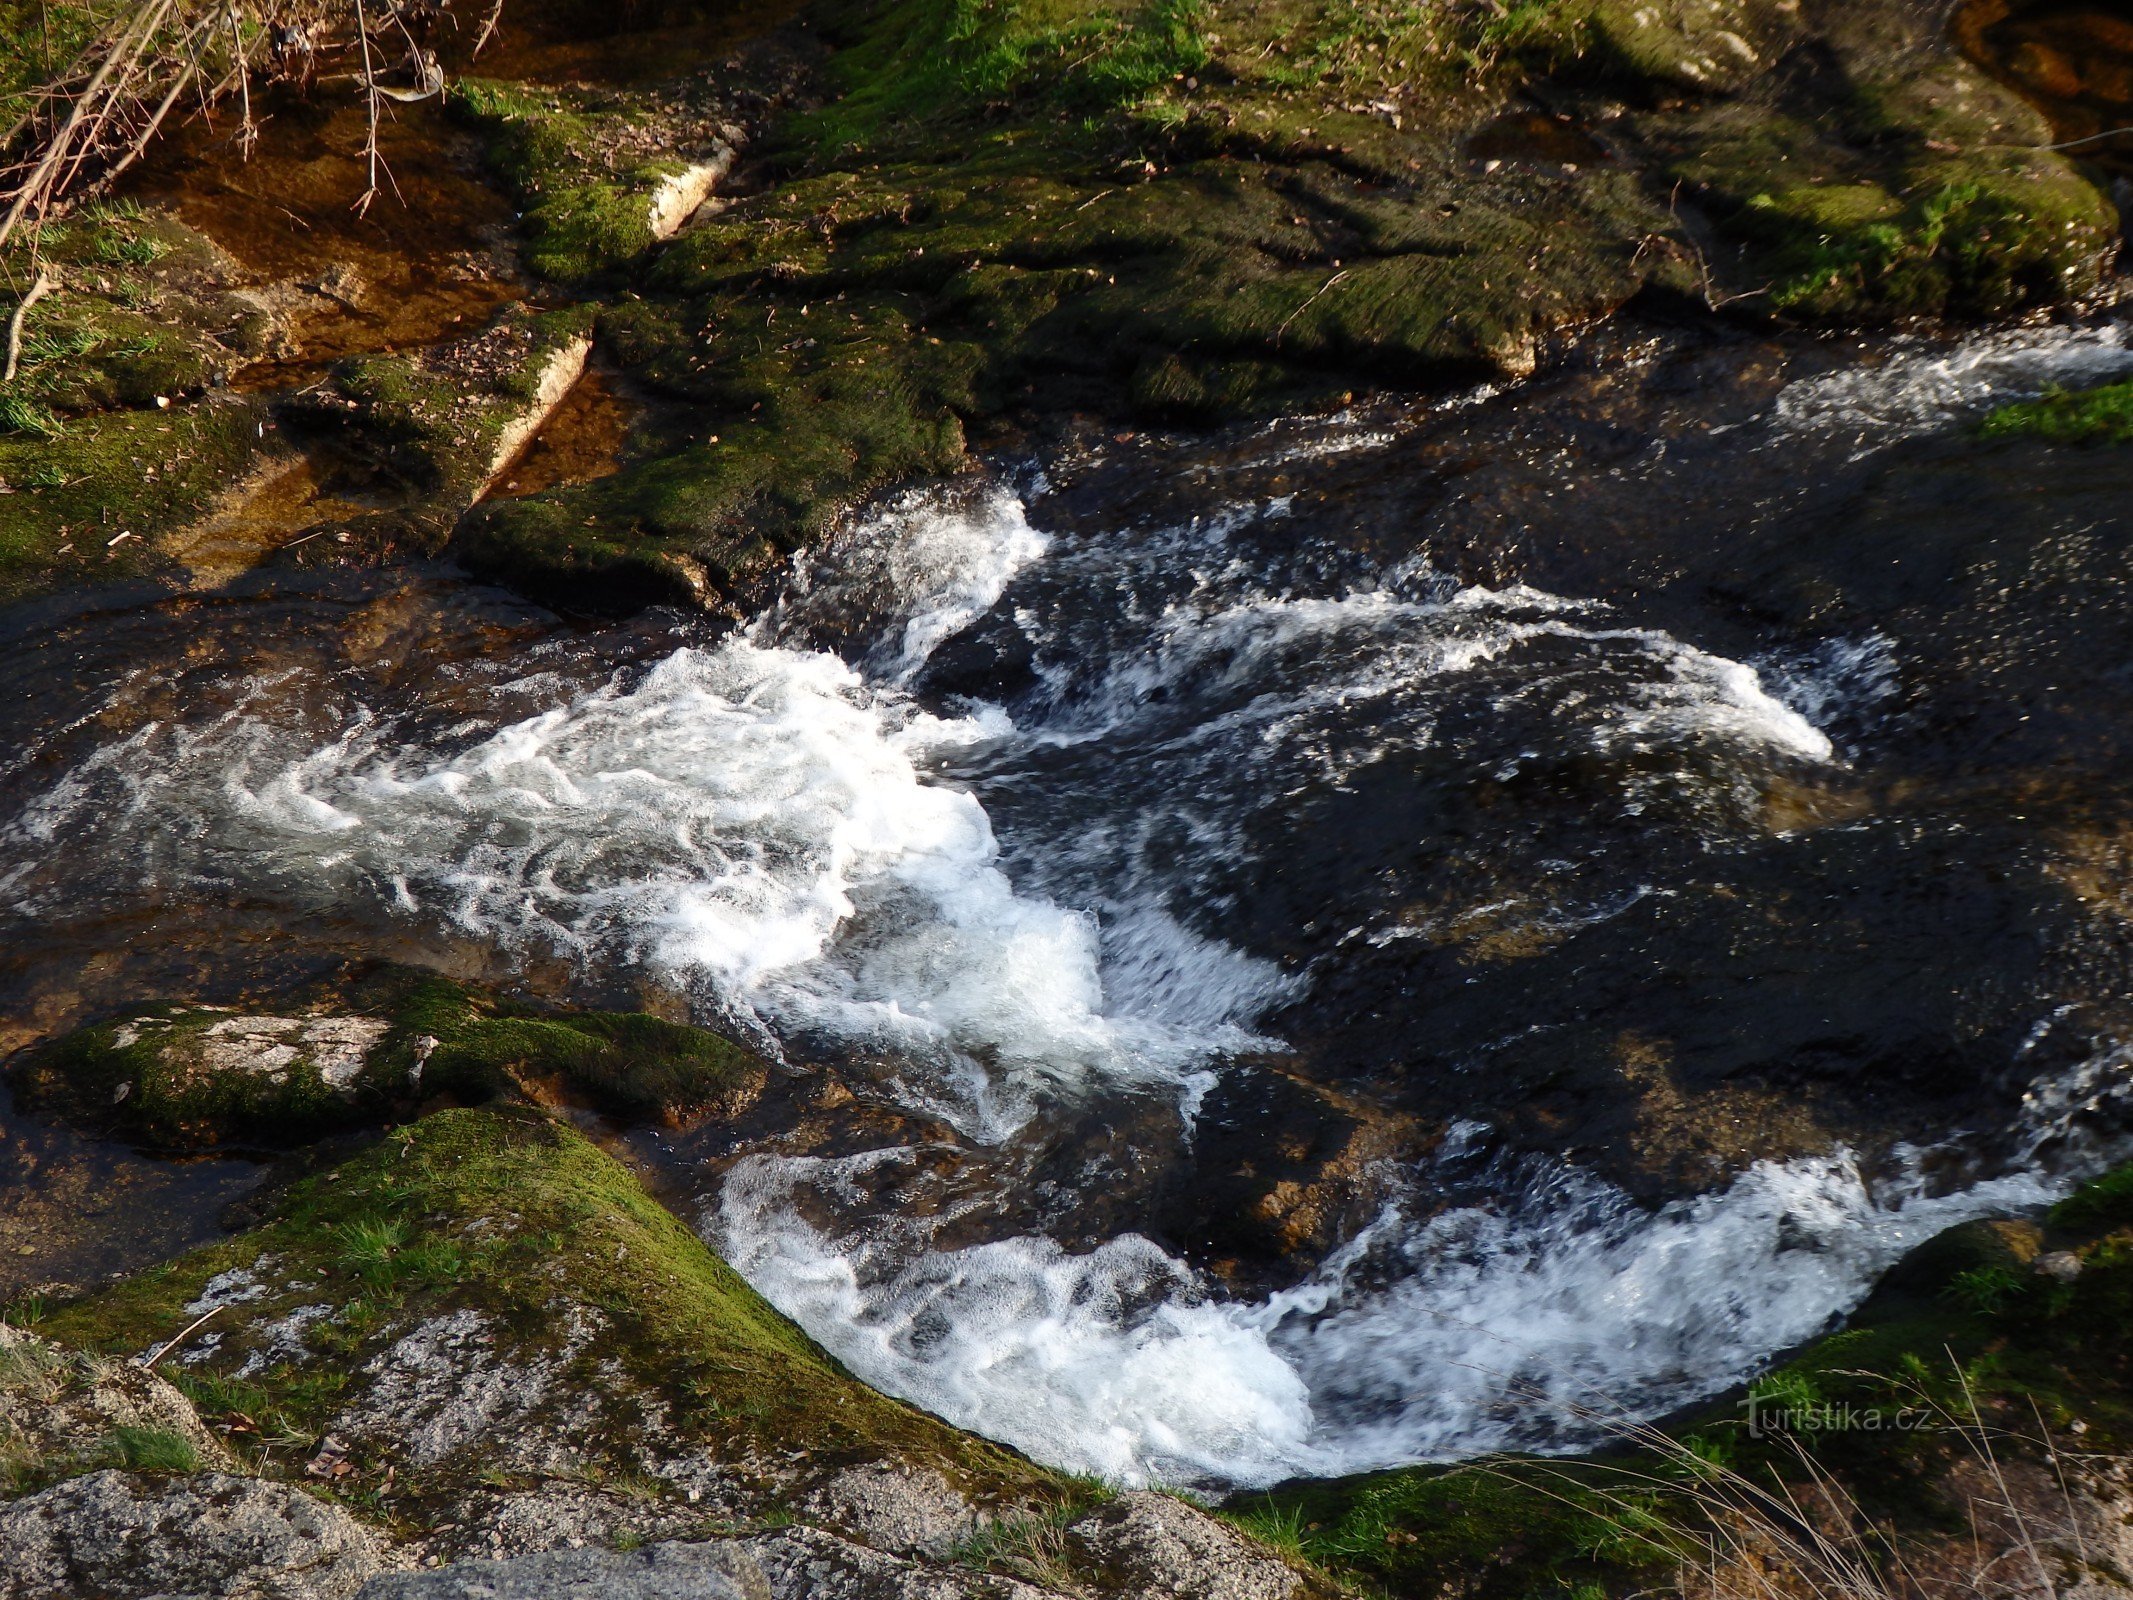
x=1353, y=941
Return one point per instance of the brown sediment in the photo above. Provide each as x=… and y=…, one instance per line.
x=582, y=439
x=561, y=44
x=1540, y=137
x=558, y=376
x=257, y=517
x=2073, y=61
x=430, y=258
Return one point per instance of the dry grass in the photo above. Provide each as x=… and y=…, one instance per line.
x=1791, y=1529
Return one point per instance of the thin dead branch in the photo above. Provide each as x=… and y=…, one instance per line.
x=36, y=292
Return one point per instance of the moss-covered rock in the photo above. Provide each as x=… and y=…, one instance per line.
x=485, y=1296
x=2102, y=415
x=1183, y=212
x=196, y=1077
x=446, y=420
x=602, y=176
x=94, y=501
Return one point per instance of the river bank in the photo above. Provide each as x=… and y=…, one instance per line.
x=1242, y=747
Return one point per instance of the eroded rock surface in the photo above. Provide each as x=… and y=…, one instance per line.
x=1152, y=1545
x=658, y=1572
x=117, y=1535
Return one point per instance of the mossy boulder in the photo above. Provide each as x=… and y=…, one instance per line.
x=486, y=1298
x=94, y=501
x=197, y=1077
x=2102, y=415
x=444, y=421
x=602, y=176
x=1183, y=212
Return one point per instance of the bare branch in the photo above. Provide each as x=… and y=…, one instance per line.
x=36, y=292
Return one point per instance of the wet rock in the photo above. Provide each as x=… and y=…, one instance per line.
x=2060, y=1266
x=1149, y=1545
x=1283, y=1169
x=441, y=423
x=658, y=1572
x=118, y=1536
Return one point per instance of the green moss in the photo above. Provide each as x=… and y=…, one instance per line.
x=586, y=214
x=154, y=1078
x=156, y=1075
x=2102, y=415
x=1181, y=212
x=1960, y=246
x=88, y=504
x=506, y=1211
x=917, y=67
x=2106, y=1203
x=436, y=418
x=627, y=1064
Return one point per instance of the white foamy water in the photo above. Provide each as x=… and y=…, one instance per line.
x=1924, y=384
x=1474, y=1330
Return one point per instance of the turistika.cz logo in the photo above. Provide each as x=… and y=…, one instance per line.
x=1770, y=1415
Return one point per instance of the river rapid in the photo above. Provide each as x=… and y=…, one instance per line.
x=1355, y=941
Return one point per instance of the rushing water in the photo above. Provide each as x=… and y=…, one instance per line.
x=1364, y=940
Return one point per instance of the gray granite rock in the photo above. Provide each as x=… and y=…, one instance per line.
x=1150, y=1545
x=119, y=1536
x=657, y=1572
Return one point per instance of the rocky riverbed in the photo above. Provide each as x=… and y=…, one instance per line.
x=1203, y=800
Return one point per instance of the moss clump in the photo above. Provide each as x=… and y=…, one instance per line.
x=88, y=503
x=2102, y=415
x=197, y=1078
x=510, y=1214
x=588, y=200
x=442, y=420
x=624, y=1063
x=184, y=1078
x=1978, y=247
x=137, y=317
